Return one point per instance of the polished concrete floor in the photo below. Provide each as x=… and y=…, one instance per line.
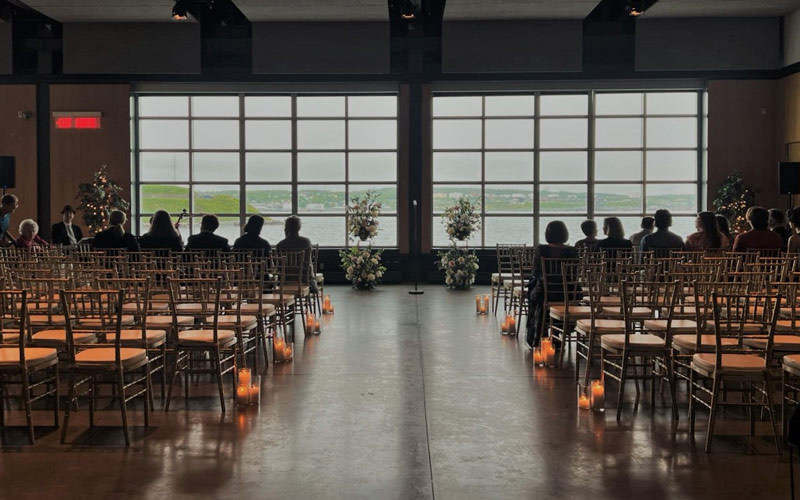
x=400, y=397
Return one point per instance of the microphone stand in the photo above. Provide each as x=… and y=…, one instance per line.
x=415, y=253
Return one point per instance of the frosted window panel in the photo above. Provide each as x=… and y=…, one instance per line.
x=614, y=199
x=672, y=132
x=268, y=167
x=516, y=166
x=316, y=199
x=562, y=198
x=457, y=134
x=618, y=166
x=267, y=106
x=215, y=106
x=508, y=230
x=573, y=227
x=327, y=134
x=457, y=106
x=268, y=134
x=387, y=233
x=510, y=105
x=372, y=106
x=560, y=105
x=671, y=165
x=219, y=199
x=447, y=195
x=619, y=104
x=683, y=226
x=618, y=133
x=215, y=134
x=631, y=225
x=164, y=134
x=219, y=167
x=512, y=134
x=163, y=106
x=324, y=231
x=564, y=133
x=269, y=199
x=386, y=195
x=320, y=106
x=372, y=134
x=677, y=198
x=156, y=197
x=273, y=229
x=164, y=167
x=440, y=237
x=508, y=198
x=380, y=167
x=315, y=167
x=229, y=227
x=563, y=166
x=458, y=167
x=672, y=103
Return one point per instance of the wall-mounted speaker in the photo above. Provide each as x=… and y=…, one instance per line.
x=7, y=172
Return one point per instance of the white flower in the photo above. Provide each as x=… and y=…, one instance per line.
x=371, y=277
x=374, y=260
x=350, y=270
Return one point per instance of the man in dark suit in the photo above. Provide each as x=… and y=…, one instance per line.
x=65, y=232
x=206, y=239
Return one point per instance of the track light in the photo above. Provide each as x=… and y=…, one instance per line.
x=634, y=9
x=179, y=11
x=408, y=10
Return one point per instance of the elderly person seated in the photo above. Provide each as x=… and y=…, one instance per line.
x=28, y=237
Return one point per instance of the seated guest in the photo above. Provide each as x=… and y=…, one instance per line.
x=794, y=226
x=65, y=232
x=162, y=234
x=8, y=205
x=725, y=229
x=115, y=236
x=759, y=237
x=647, y=228
x=663, y=239
x=206, y=239
x=615, y=236
x=293, y=241
x=589, y=228
x=556, y=236
x=777, y=224
x=708, y=236
x=251, y=239
x=28, y=237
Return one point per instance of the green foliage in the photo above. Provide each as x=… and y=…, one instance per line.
x=98, y=198
x=734, y=197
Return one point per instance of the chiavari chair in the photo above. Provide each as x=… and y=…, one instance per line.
x=568, y=306
x=275, y=294
x=297, y=271
x=504, y=272
x=588, y=332
x=523, y=261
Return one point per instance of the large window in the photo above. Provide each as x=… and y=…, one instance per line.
x=275, y=155
x=527, y=159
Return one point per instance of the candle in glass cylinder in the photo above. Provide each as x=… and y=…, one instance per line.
x=548, y=352
x=477, y=304
x=278, y=347
x=538, y=357
x=309, y=322
x=255, y=391
x=287, y=353
x=504, y=327
x=583, y=402
x=512, y=324
x=326, y=304
x=244, y=377
x=316, y=327
x=486, y=302
x=598, y=395
x=242, y=394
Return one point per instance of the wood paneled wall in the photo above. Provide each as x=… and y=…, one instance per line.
x=18, y=139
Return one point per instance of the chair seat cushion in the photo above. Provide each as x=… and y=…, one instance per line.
x=792, y=362
x=687, y=342
x=247, y=321
x=296, y=289
x=636, y=312
x=132, y=307
x=275, y=298
x=206, y=337
x=643, y=342
x=110, y=322
x=320, y=278
x=34, y=356
x=498, y=277
x=128, y=337
x=266, y=309
x=602, y=326
x=742, y=363
x=59, y=337
x=43, y=319
x=677, y=326
x=611, y=300
x=745, y=328
x=101, y=356
x=194, y=308
x=558, y=311
x=162, y=321
x=780, y=343
x=785, y=325
x=9, y=338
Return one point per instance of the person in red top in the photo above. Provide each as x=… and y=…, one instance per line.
x=28, y=237
x=760, y=237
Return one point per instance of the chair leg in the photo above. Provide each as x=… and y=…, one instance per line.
x=163, y=372
x=218, y=366
x=783, y=404
x=92, y=400
x=56, y=395
x=622, y=378
x=771, y=409
x=149, y=396
x=173, y=377
x=713, y=414
x=671, y=383
x=122, y=406
x=26, y=399
x=70, y=397
x=691, y=403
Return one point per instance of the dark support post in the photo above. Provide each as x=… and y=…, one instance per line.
x=43, y=211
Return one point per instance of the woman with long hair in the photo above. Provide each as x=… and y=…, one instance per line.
x=162, y=234
x=615, y=237
x=725, y=229
x=708, y=235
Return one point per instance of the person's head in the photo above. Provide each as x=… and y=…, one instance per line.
x=556, y=232
x=117, y=218
x=67, y=214
x=707, y=223
x=209, y=223
x=794, y=218
x=589, y=228
x=28, y=228
x=292, y=225
x=612, y=227
x=758, y=217
x=776, y=218
x=9, y=203
x=723, y=225
x=647, y=222
x=161, y=225
x=662, y=219
x=254, y=225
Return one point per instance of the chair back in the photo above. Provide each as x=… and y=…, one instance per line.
x=14, y=319
x=95, y=311
x=202, y=294
x=744, y=315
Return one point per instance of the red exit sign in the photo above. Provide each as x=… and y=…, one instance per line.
x=77, y=119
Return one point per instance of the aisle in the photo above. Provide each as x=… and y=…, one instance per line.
x=402, y=398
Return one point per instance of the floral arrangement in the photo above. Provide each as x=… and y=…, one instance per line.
x=362, y=216
x=362, y=266
x=734, y=197
x=461, y=219
x=460, y=266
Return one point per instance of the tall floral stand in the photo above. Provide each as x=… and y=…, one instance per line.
x=362, y=265
x=459, y=263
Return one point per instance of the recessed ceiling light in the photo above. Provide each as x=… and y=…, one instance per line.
x=179, y=11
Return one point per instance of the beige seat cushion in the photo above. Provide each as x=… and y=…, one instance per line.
x=731, y=363
x=110, y=322
x=275, y=298
x=636, y=312
x=129, y=337
x=162, y=321
x=320, y=278
x=688, y=343
x=100, y=356
x=677, y=326
x=611, y=300
x=785, y=325
x=296, y=289
x=780, y=343
x=602, y=326
x=192, y=308
x=206, y=337
x=267, y=309
x=10, y=338
x=557, y=311
x=498, y=277
x=58, y=338
x=644, y=342
x=131, y=307
x=248, y=321
x=746, y=328
x=34, y=356
x=43, y=319
x=792, y=362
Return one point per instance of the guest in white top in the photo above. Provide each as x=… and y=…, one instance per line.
x=65, y=232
